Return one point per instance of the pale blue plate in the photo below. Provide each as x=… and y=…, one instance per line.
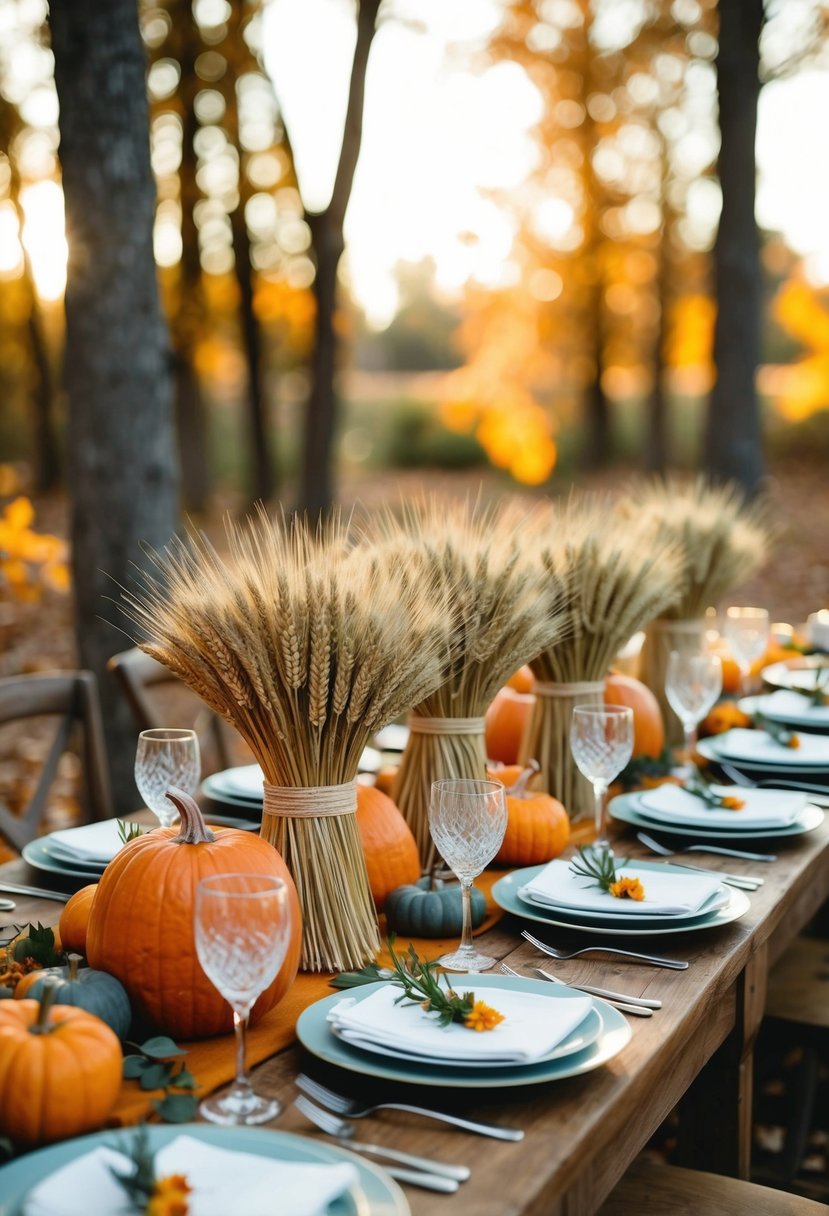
x=315, y=1034
x=376, y=1194
x=627, y=809
x=38, y=856
x=505, y=894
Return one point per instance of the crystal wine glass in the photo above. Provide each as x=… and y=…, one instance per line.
x=467, y=819
x=166, y=757
x=747, y=632
x=601, y=740
x=692, y=684
x=243, y=926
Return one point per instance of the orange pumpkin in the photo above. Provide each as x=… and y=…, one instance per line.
x=506, y=720
x=60, y=1071
x=507, y=774
x=141, y=924
x=390, y=849
x=538, y=826
x=522, y=680
x=648, y=725
x=385, y=778
x=724, y=716
x=74, y=919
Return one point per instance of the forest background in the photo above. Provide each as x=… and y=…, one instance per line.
x=206, y=328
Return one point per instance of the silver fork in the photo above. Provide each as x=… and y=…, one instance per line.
x=744, y=881
x=638, y=1006
x=705, y=848
x=335, y=1126
x=820, y=792
x=353, y=1109
x=671, y=963
x=424, y=1172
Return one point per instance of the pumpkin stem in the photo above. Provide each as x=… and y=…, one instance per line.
x=193, y=828
x=74, y=963
x=47, y=999
x=519, y=789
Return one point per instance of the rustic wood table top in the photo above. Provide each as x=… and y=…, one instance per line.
x=582, y=1132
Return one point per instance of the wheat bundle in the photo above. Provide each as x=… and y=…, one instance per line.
x=722, y=540
x=306, y=647
x=500, y=608
x=618, y=581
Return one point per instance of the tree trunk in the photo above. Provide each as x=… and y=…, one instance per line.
x=733, y=446
x=260, y=473
x=120, y=451
x=317, y=487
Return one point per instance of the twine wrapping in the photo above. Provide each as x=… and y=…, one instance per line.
x=544, y=689
x=661, y=637
x=317, y=800
x=438, y=748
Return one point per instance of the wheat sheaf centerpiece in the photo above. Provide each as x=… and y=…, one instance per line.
x=618, y=581
x=722, y=539
x=306, y=646
x=500, y=608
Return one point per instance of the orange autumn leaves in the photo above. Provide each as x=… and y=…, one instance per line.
x=29, y=560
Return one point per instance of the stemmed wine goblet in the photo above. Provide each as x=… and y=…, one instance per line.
x=692, y=684
x=166, y=756
x=747, y=632
x=243, y=927
x=601, y=740
x=467, y=819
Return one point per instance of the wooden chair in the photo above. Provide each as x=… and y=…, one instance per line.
x=137, y=673
x=667, y=1190
x=72, y=696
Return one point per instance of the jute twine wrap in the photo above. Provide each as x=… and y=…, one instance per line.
x=661, y=637
x=437, y=749
x=307, y=825
x=547, y=740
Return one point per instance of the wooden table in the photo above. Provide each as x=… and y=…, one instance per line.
x=581, y=1133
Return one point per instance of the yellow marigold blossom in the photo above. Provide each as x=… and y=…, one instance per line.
x=730, y=803
x=627, y=888
x=169, y=1197
x=482, y=1017
x=794, y=742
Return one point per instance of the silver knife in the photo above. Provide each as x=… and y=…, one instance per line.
x=36, y=892
x=644, y=1001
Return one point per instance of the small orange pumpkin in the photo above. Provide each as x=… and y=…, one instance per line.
x=141, y=925
x=74, y=919
x=60, y=1071
x=506, y=720
x=648, y=725
x=522, y=680
x=538, y=826
x=724, y=716
x=390, y=849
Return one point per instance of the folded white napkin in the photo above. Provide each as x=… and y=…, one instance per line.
x=224, y=1183
x=758, y=745
x=246, y=781
x=666, y=894
x=761, y=808
x=533, y=1025
x=94, y=842
x=787, y=705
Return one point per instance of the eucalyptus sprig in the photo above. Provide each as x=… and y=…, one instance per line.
x=421, y=986
x=778, y=732
x=154, y=1067
x=819, y=695
x=151, y=1195
x=599, y=865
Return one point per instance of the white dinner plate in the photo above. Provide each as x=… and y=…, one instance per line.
x=505, y=894
x=787, y=706
x=584, y=1034
x=38, y=856
x=807, y=772
x=795, y=673
x=627, y=809
x=315, y=1034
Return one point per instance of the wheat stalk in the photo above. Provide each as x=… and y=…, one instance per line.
x=619, y=579
x=722, y=540
x=500, y=607
x=306, y=646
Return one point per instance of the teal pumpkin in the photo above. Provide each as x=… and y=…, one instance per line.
x=417, y=910
x=95, y=991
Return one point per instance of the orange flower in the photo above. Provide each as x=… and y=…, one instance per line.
x=482, y=1017
x=169, y=1197
x=794, y=742
x=730, y=803
x=627, y=888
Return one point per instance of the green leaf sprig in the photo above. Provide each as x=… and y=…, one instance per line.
x=128, y=831
x=819, y=695
x=139, y=1181
x=777, y=731
x=700, y=788
x=38, y=944
x=599, y=865
x=366, y=975
x=154, y=1067
x=422, y=987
